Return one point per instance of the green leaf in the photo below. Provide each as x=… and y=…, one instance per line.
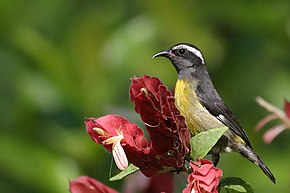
x=235, y=188
x=235, y=185
x=129, y=170
x=202, y=143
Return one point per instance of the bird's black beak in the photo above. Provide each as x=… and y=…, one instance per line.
x=165, y=53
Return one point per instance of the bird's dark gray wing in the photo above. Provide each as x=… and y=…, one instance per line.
x=220, y=110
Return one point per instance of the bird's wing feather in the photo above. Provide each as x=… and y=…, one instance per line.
x=219, y=109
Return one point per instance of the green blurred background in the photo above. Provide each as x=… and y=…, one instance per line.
x=63, y=60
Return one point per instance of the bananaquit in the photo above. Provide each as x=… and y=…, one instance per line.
x=203, y=109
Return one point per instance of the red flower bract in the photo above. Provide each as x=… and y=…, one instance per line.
x=84, y=184
x=168, y=147
x=204, y=178
x=168, y=132
x=287, y=108
x=114, y=125
x=137, y=148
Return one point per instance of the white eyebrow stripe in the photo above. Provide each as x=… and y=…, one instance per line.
x=191, y=49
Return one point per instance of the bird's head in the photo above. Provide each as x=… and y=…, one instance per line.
x=183, y=56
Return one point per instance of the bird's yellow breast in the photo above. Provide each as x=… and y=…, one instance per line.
x=196, y=116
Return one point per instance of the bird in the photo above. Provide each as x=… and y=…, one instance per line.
x=200, y=104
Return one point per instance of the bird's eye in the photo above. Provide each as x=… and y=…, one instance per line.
x=181, y=51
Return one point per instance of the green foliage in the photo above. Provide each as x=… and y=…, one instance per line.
x=235, y=185
x=61, y=61
x=202, y=143
x=129, y=170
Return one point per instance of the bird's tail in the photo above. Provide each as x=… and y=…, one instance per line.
x=266, y=170
x=253, y=157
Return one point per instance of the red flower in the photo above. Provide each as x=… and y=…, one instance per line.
x=84, y=184
x=204, y=178
x=166, y=126
x=276, y=113
x=125, y=140
x=169, y=137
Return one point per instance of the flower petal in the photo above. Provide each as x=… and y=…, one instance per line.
x=265, y=121
x=273, y=132
x=119, y=156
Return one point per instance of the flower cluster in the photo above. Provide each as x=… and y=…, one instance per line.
x=166, y=149
x=168, y=132
x=204, y=178
x=276, y=113
x=169, y=136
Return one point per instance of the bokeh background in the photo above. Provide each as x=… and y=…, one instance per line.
x=64, y=60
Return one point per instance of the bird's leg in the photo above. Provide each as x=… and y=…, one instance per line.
x=215, y=158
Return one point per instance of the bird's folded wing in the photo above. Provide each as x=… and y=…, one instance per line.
x=219, y=109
